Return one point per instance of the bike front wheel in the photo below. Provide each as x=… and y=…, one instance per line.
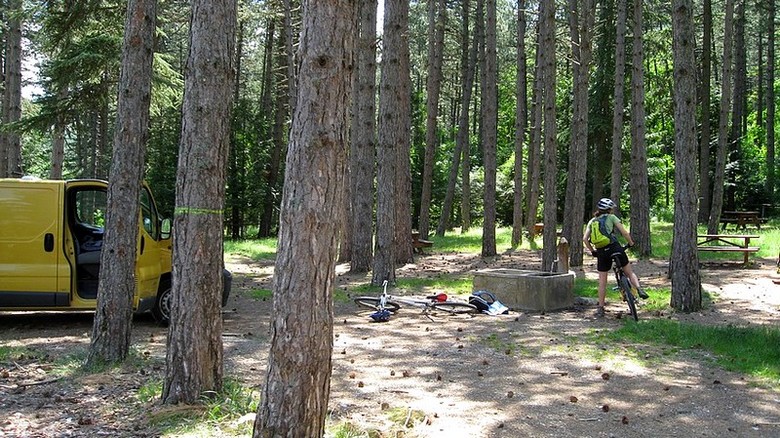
x=454, y=308
x=373, y=303
x=630, y=298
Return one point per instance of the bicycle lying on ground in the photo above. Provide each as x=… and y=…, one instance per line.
x=624, y=284
x=385, y=304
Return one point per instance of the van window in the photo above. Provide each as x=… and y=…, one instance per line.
x=149, y=215
x=91, y=208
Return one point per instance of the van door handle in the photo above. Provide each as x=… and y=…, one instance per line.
x=48, y=242
x=143, y=243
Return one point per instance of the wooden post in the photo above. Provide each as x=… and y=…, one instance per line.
x=563, y=255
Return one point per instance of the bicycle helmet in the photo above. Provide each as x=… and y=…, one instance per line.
x=381, y=315
x=605, y=204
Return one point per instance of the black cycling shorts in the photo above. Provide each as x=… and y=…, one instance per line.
x=604, y=257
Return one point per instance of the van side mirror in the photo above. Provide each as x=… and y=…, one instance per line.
x=165, y=229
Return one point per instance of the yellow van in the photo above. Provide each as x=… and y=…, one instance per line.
x=51, y=233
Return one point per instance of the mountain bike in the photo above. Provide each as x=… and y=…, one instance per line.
x=386, y=304
x=624, y=285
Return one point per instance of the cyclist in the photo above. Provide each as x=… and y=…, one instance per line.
x=604, y=254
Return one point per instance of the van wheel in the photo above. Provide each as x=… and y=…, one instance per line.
x=162, y=307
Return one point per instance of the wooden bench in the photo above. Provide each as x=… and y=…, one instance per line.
x=741, y=219
x=418, y=244
x=728, y=243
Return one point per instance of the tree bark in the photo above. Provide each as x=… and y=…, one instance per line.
x=297, y=386
x=437, y=10
x=194, y=357
x=618, y=108
x=719, y=179
x=535, y=149
x=640, y=191
x=396, y=53
x=521, y=125
x=547, y=46
x=278, y=137
x=490, y=131
x=705, y=80
x=112, y=324
x=363, y=152
x=465, y=179
x=468, y=66
x=739, y=121
x=393, y=134
x=684, y=263
x=770, y=103
x=10, y=141
x=580, y=27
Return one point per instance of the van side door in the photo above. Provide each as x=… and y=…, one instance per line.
x=33, y=268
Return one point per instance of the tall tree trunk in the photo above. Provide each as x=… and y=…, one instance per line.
x=10, y=141
x=281, y=112
x=705, y=138
x=640, y=191
x=535, y=149
x=760, y=83
x=618, y=108
x=739, y=112
x=490, y=130
x=437, y=10
x=521, y=125
x=547, y=46
x=479, y=38
x=719, y=179
x=468, y=65
x=58, y=140
x=397, y=51
x=684, y=262
x=393, y=134
x=770, y=104
x=194, y=357
x=580, y=31
x=297, y=386
x=363, y=153
x=235, y=168
x=112, y=324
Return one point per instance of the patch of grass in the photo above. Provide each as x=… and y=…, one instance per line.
x=471, y=241
x=406, y=417
x=450, y=284
x=500, y=345
x=216, y=415
x=255, y=249
x=261, y=294
x=748, y=350
x=349, y=430
x=8, y=354
x=150, y=391
x=659, y=297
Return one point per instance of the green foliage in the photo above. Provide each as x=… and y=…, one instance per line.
x=214, y=417
x=751, y=350
x=259, y=249
x=8, y=354
x=349, y=430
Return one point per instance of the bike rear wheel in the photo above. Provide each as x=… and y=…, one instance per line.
x=454, y=308
x=373, y=303
x=625, y=285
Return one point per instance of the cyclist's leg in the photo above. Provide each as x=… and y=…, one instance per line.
x=632, y=277
x=603, y=265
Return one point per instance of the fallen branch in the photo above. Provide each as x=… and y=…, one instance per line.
x=40, y=382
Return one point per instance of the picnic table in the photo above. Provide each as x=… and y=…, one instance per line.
x=741, y=219
x=418, y=244
x=728, y=243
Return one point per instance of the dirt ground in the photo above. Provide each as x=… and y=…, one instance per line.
x=522, y=374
